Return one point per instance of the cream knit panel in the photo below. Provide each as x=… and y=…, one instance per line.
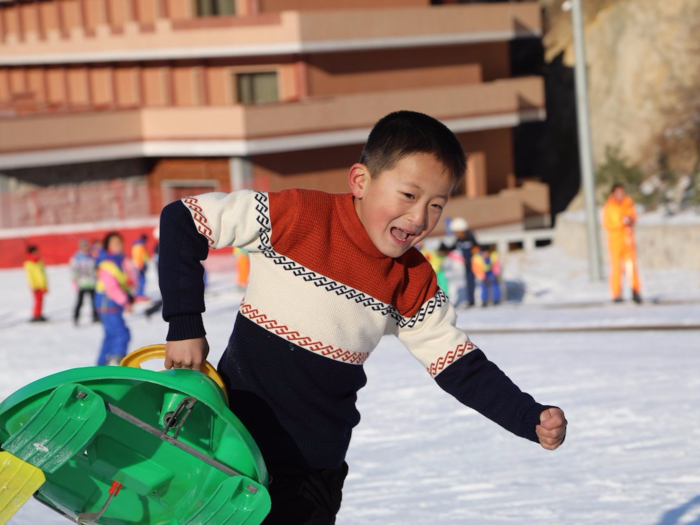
x=229, y=219
x=436, y=341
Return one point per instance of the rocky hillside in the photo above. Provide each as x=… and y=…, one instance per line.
x=644, y=79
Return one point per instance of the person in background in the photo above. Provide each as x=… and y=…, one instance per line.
x=140, y=258
x=466, y=242
x=83, y=269
x=242, y=268
x=487, y=268
x=619, y=218
x=38, y=284
x=115, y=277
x=157, y=304
x=436, y=259
x=95, y=248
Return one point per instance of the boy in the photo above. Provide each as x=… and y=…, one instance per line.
x=36, y=277
x=331, y=275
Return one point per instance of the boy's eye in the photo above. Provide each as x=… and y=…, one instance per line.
x=437, y=206
x=409, y=195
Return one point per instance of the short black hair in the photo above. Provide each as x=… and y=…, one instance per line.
x=615, y=186
x=108, y=237
x=404, y=133
x=31, y=249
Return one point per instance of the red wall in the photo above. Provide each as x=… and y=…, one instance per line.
x=59, y=248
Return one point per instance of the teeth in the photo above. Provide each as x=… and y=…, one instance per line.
x=402, y=235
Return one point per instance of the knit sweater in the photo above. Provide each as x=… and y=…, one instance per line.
x=320, y=298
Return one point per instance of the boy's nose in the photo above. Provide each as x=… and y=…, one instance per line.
x=418, y=217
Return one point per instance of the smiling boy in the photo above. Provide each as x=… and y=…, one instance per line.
x=330, y=276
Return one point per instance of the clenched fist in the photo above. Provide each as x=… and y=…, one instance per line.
x=552, y=428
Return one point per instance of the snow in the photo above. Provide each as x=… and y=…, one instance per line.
x=630, y=394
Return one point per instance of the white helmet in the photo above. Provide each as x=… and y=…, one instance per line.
x=458, y=224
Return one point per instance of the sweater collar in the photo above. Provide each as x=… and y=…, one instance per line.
x=353, y=227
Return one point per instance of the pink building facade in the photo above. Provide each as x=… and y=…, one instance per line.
x=110, y=109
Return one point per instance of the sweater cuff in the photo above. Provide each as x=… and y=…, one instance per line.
x=532, y=419
x=185, y=327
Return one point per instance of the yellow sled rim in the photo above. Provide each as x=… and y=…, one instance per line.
x=146, y=353
x=18, y=482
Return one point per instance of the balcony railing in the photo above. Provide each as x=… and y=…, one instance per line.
x=270, y=34
x=217, y=124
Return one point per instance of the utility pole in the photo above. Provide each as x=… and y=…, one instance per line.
x=584, y=142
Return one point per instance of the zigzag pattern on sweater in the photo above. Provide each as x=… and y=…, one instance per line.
x=340, y=289
x=441, y=362
x=193, y=204
x=293, y=336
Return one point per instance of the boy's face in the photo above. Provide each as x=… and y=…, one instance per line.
x=401, y=206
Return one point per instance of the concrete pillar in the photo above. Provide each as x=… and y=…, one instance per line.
x=476, y=175
x=240, y=173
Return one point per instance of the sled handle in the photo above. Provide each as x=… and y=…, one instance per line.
x=146, y=353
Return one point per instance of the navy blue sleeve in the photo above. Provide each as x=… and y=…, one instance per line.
x=180, y=272
x=479, y=384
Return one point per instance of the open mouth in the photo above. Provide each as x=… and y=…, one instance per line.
x=402, y=236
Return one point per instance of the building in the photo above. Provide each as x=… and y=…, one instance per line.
x=110, y=109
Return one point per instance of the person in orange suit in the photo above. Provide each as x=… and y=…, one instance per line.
x=619, y=218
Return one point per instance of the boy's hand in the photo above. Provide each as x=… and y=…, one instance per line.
x=552, y=428
x=189, y=353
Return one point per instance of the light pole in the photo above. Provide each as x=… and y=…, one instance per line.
x=584, y=142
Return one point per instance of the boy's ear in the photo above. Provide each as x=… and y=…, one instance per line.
x=358, y=178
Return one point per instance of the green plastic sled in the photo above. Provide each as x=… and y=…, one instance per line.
x=122, y=445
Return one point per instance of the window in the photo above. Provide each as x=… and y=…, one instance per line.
x=214, y=7
x=256, y=88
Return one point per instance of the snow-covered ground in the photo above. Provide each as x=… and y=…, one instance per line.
x=632, y=455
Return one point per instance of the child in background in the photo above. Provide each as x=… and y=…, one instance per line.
x=38, y=284
x=95, y=248
x=113, y=297
x=466, y=243
x=242, y=268
x=436, y=258
x=487, y=268
x=83, y=268
x=333, y=274
x=139, y=257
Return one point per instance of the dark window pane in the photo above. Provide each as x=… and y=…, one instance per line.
x=204, y=8
x=226, y=7
x=257, y=88
x=245, y=89
x=215, y=7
